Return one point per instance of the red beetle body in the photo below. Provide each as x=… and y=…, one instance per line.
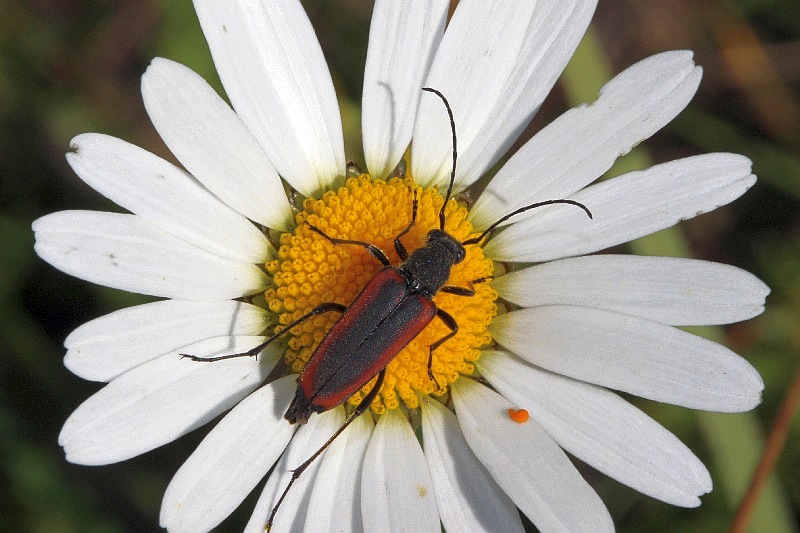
x=390, y=312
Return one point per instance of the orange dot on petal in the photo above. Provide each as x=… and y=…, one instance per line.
x=518, y=415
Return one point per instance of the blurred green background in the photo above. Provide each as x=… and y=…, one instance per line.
x=72, y=66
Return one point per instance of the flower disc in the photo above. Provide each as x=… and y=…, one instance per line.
x=310, y=270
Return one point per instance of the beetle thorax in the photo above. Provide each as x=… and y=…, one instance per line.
x=428, y=268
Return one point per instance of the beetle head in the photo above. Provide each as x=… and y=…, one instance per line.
x=444, y=241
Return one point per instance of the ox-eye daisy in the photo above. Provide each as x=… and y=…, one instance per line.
x=572, y=327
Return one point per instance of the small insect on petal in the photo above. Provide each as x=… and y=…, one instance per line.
x=520, y=416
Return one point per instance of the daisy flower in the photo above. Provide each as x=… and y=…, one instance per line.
x=527, y=379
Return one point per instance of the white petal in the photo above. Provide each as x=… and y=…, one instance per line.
x=527, y=463
x=230, y=461
x=161, y=400
x=165, y=196
x=213, y=143
x=626, y=208
x=467, y=496
x=584, y=142
x=125, y=252
x=273, y=70
x=496, y=63
x=631, y=354
x=680, y=292
x=336, y=498
x=396, y=489
x=105, y=347
x=600, y=428
x=403, y=36
x=306, y=441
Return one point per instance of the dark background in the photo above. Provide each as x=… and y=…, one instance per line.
x=73, y=66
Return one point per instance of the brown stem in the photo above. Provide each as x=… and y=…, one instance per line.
x=772, y=450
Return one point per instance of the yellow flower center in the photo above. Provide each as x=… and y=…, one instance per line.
x=310, y=270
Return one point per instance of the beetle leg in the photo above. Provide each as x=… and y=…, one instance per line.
x=465, y=291
x=451, y=323
x=373, y=250
x=363, y=405
x=399, y=247
x=318, y=310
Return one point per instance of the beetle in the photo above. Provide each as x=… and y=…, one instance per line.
x=389, y=312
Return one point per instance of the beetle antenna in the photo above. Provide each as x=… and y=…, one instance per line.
x=455, y=153
x=490, y=229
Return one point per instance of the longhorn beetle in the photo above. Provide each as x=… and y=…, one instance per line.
x=389, y=313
